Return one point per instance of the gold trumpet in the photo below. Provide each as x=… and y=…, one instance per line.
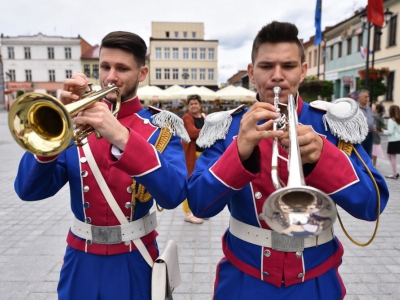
x=42, y=125
x=297, y=209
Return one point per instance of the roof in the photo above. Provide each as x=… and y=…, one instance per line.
x=92, y=52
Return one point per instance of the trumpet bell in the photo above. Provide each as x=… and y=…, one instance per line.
x=40, y=124
x=299, y=211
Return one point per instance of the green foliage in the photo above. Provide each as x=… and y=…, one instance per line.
x=20, y=92
x=311, y=88
x=378, y=88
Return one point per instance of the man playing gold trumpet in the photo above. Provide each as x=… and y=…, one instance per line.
x=112, y=179
x=280, y=243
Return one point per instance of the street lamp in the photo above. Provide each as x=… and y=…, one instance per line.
x=368, y=26
x=185, y=76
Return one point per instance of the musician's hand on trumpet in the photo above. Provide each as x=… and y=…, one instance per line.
x=250, y=133
x=310, y=143
x=73, y=88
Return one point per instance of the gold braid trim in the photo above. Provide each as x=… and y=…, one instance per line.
x=345, y=147
x=142, y=195
x=348, y=148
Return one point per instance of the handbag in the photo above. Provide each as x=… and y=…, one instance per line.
x=166, y=275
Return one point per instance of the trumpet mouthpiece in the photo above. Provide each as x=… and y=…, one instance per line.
x=276, y=90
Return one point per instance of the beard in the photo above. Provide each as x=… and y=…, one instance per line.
x=129, y=93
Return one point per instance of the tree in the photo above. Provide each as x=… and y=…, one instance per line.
x=312, y=87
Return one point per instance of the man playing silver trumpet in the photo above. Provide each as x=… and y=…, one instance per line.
x=112, y=179
x=280, y=243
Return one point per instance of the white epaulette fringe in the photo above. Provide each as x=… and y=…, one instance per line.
x=169, y=120
x=344, y=118
x=216, y=126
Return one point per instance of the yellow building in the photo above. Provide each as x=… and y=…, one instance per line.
x=180, y=55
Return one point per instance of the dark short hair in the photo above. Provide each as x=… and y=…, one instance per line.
x=380, y=108
x=127, y=41
x=193, y=97
x=277, y=32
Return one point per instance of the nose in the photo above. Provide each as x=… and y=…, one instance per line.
x=112, y=76
x=277, y=75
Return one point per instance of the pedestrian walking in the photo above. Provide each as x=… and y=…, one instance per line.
x=364, y=103
x=377, y=150
x=235, y=171
x=112, y=242
x=393, y=133
x=193, y=121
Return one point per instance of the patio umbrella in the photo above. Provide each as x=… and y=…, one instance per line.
x=205, y=95
x=152, y=93
x=235, y=93
x=174, y=89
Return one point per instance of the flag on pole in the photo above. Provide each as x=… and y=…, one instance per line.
x=318, y=15
x=375, y=13
x=363, y=52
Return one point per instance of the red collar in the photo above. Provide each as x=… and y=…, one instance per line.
x=128, y=108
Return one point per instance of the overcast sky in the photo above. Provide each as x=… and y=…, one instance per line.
x=233, y=23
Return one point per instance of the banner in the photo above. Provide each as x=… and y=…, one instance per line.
x=375, y=13
x=363, y=52
x=318, y=16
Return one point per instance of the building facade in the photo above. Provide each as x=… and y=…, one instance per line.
x=39, y=62
x=345, y=54
x=180, y=55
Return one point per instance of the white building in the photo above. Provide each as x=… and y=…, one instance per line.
x=39, y=62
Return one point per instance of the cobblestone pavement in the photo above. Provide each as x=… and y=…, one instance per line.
x=32, y=242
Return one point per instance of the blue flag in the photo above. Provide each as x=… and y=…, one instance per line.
x=318, y=15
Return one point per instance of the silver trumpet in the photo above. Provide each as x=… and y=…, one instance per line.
x=297, y=209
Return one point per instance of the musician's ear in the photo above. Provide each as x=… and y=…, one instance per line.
x=250, y=70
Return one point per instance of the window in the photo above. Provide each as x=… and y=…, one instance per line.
x=210, y=53
x=158, y=52
x=339, y=49
x=95, y=73
x=194, y=53
x=28, y=75
x=348, y=46
x=167, y=34
x=210, y=74
x=359, y=42
x=166, y=74
x=52, y=75
x=390, y=87
x=202, y=53
x=11, y=75
x=377, y=38
x=27, y=51
x=50, y=53
x=176, y=34
x=68, y=54
x=166, y=53
x=175, y=53
x=185, y=71
x=175, y=74
x=331, y=52
x=185, y=35
x=193, y=34
x=86, y=70
x=185, y=53
x=202, y=74
x=68, y=73
x=309, y=58
x=193, y=74
x=10, y=52
x=158, y=74
x=315, y=57
x=392, y=31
